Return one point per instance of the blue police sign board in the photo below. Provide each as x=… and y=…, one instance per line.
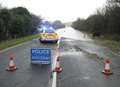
x=41, y=55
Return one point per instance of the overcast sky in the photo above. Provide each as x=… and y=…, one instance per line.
x=64, y=10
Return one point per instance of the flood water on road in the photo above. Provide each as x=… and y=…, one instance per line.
x=82, y=61
x=72, y=34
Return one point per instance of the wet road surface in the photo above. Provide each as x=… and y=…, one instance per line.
x=27, y=75
x=83, y=61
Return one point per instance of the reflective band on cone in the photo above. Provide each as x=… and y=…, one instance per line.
x=107, y=70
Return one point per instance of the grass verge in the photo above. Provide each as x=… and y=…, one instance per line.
x=107, y=41
x=112, y=44
x=13, y=42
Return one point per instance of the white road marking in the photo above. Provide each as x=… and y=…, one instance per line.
x=54, y=82
x=54, y=79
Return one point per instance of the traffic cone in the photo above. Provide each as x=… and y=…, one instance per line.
x=107, y=70
x=58, y=69
x=11, y=66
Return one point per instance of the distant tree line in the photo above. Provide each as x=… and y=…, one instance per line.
x=106, y=21
x=17, y=22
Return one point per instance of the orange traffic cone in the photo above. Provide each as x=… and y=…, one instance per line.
x=58, y=69
x=11, y=66
x=107, y=70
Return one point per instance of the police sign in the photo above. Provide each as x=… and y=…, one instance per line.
x=41, y=55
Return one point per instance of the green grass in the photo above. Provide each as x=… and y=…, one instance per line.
x=112, y=44
x=13, y=42
x=109, y=41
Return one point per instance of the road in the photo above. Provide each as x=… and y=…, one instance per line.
x=83, y=61
x=27, y=75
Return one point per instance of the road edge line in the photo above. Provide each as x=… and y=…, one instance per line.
x=54, y=82
x=54, y=74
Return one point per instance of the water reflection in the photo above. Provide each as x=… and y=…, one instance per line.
x=73, y=34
